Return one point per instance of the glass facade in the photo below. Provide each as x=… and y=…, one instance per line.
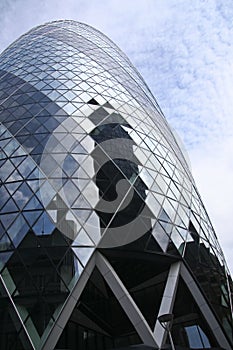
x=102, y=228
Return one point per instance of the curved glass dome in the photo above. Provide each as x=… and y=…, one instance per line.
x=100, y=215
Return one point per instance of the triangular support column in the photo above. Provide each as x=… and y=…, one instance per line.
x=167, y=302
x=126, y=301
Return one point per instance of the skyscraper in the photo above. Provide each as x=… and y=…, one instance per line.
x=102, y=227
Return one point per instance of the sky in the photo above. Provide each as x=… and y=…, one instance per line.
x=184, y=51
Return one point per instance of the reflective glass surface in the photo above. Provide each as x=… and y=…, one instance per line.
x=89, y=163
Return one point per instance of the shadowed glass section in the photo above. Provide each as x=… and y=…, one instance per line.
x=189, y=327
x=12, y=334
x=144, y=277
x=98, y=321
